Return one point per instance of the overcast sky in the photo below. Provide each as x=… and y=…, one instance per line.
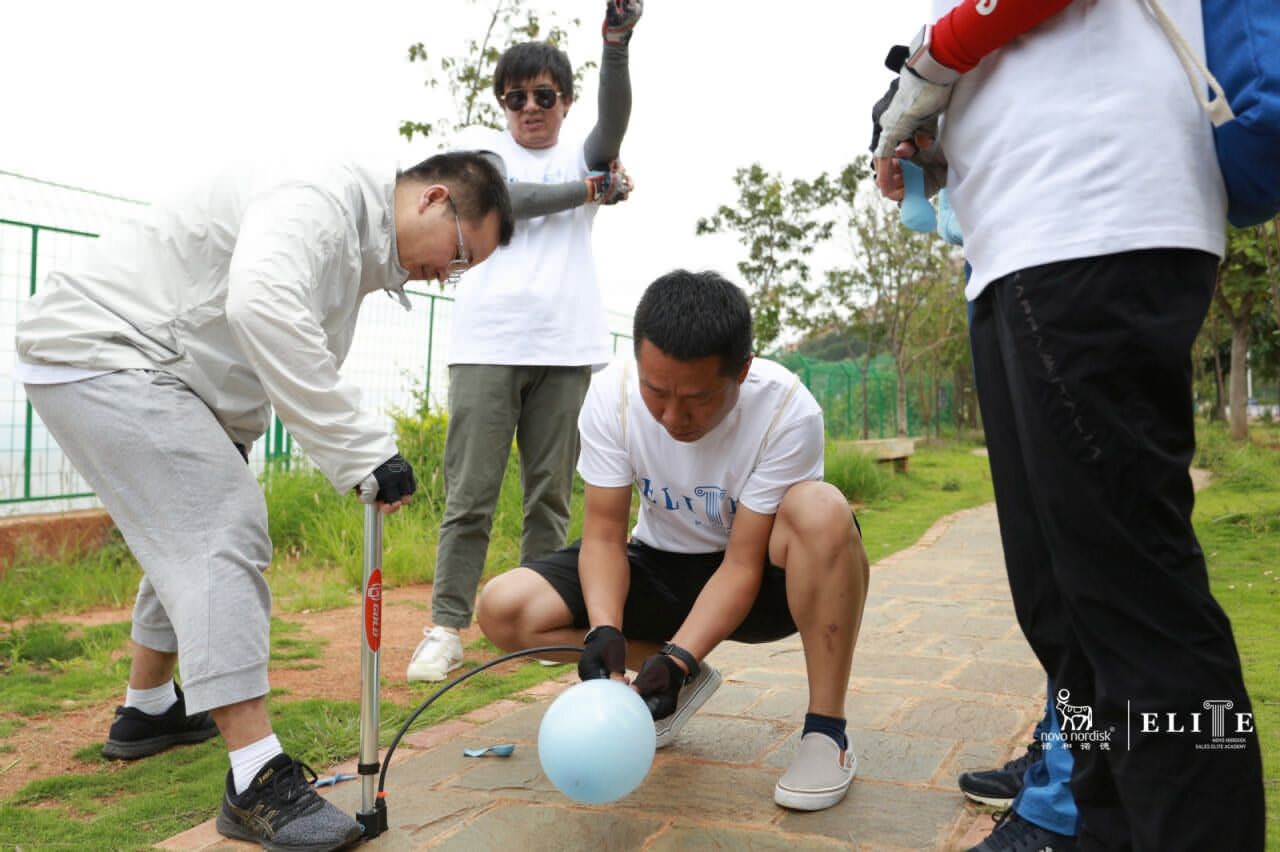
x=125, y=97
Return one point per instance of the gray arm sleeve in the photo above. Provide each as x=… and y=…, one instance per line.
x=602, y=146
x=604, y=142
x=530, y=200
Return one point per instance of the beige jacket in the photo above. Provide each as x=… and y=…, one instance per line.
x=247, y=290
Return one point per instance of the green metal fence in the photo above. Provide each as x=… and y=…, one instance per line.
x=860, y=399
x=26, y=486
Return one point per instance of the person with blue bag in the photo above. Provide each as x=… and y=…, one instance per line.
x=1084, y=313
x=1034, y=788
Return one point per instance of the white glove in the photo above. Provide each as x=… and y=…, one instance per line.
x=924, y=89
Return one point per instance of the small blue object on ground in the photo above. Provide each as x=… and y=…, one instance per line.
x=337, y=778
x=503, y=750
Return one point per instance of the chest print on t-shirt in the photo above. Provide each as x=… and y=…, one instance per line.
x=709, y=506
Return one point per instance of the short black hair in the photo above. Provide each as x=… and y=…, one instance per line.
x=475, y=185
x=691, y=315
x=527, y=60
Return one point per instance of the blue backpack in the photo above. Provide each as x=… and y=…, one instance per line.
x=1242, y=51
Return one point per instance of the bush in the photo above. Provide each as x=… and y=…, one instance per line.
x=420, y=437
x=854, y=473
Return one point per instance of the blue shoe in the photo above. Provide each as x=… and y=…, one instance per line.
x=1015, y=834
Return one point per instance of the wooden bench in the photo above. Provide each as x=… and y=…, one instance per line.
x=893, y=451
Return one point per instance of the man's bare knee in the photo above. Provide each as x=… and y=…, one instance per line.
x=498, y=609
x=816, y=517
x=516, y=607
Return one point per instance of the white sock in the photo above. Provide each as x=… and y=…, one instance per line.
x=154, y=701
x=248, y=761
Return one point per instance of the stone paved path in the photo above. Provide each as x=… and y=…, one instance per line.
x=942, y=682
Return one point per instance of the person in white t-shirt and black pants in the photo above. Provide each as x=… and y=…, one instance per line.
x=1082, y=171
x=737, y=536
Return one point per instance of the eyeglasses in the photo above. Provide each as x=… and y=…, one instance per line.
x=459, y=264
x=515, y=99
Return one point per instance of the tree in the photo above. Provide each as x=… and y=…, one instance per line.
x=937, y=341
x=903, y=272
x=1243, y=287
x=780, y=223
x=902, y=286
x=837, y=306
x=470, y=77
x=844, y=303
x=1266, y=346
x=1212, y=348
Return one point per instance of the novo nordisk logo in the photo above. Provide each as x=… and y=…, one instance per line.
x=1075, y=726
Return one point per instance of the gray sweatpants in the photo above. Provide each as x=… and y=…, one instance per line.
x=191, y=511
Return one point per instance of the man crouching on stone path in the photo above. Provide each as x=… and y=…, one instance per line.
x=737, y=536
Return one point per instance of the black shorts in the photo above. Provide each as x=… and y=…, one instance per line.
x=663, y=588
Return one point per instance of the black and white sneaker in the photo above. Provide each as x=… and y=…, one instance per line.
x=998, y=787
x=283, y=812
x=1015, y=834
x=135, y=734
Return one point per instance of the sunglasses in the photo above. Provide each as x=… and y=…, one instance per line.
x=515, y=99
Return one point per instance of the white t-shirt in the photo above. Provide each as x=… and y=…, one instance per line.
x=1079, y=138
x=535, y=302
x=690, y=492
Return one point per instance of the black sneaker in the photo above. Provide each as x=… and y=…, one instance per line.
x=1015, y=834
x=135, y=734
x=998, y=787
x=283, y=812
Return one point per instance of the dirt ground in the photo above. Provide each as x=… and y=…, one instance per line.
x=46, y=746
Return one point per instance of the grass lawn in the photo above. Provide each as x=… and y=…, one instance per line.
x=45, y=670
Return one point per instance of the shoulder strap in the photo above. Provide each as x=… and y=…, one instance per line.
x=777, y=415
x=1214, y=102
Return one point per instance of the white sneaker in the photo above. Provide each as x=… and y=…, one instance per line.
x=439, y=653
x=692, y=696
x=818, y=777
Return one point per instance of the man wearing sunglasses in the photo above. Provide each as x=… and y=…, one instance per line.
x=529, y=326
x=158, y=358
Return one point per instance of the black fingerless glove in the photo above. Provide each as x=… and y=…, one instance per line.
x=659, y=683
x=395, y=479
x=604, y=653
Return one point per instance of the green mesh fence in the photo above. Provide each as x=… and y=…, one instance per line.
x=861, y=400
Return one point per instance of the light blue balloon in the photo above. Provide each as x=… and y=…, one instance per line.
x=596, y=741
